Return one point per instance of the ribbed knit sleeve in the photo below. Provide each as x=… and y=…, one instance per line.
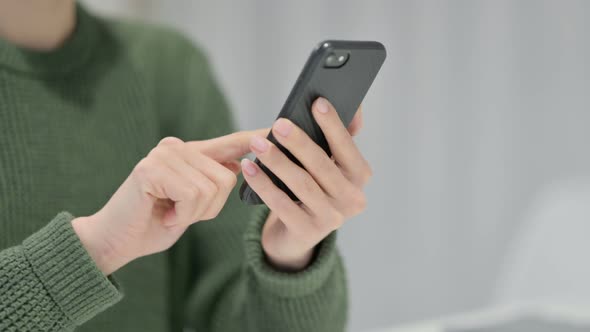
x=50, y=283
x=310, y=300
x=230, y=286
x=235, y=289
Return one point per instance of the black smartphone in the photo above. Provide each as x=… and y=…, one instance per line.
x=338, y=70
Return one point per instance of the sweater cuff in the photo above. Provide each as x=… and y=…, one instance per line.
x=67, y=271
x=286, y=284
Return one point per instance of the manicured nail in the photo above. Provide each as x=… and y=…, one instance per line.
x=249, y=168
x=259, y=144
x=322, y=105
x=283, y=127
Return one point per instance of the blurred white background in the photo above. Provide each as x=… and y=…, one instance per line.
x=480, y=108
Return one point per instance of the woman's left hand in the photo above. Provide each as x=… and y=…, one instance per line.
x=330, y=189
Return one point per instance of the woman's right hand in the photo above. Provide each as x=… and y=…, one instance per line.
x=177, y=184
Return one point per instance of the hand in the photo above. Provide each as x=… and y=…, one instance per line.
x=177, y=184
x=330, y=189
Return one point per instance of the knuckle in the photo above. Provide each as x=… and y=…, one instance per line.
x=275, y=202
x=210, y=188
x=268, y=158
x=306, y=182
x=159, y=151
x=278, y=201
x=153, y=151
x=260, y=185
x=276, y=153
x=193, y=193
x=325, y=166
x=359, y=203
x=300, y=139
x=282, y=203
x=342, y=137
x=272, y=154
x=143, y=168
x=228, y=180
x=169, y=140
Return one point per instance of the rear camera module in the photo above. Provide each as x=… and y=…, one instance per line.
x=336, y=59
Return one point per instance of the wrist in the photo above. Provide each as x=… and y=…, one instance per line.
x=280, y=250
x=101, y=251
x=289, y=263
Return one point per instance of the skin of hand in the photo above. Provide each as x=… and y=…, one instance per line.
x=177, y=184
x=330, y=188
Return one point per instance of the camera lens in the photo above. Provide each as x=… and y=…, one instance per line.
x=336, y=59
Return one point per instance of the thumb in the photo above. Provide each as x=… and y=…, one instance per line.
x=229, y=147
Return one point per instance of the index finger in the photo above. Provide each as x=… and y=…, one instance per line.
x=228, y=147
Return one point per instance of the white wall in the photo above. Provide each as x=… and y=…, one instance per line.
x=479, y=105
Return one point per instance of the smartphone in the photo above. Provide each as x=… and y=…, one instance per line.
x=340, y=71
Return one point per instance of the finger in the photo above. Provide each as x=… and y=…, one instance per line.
x=343, y=148
x=170, y=140
x=312, y=156
x=291, y=214
x=357, y=122
x=206, y=188
x=232, y=165
x=229, y=147
x=296, y=178
x=184, y=196
x=224, y=180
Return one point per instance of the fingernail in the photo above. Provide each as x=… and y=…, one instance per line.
x=259, y=144
x=283, y=127
x=322, y=105
x=248, y=167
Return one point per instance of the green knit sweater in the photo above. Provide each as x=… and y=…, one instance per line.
x=73, y=123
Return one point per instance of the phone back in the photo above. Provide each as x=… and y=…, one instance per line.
x=344, y=85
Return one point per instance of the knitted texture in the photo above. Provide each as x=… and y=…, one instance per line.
x=73, y=123
x=50, y=282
